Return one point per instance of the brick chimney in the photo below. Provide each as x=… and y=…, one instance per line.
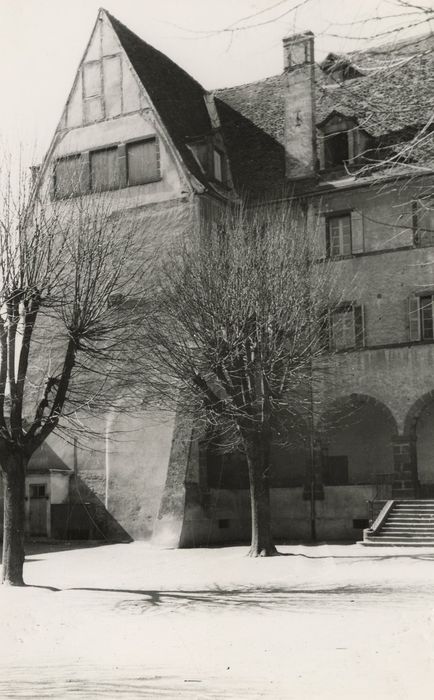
x=300, y=136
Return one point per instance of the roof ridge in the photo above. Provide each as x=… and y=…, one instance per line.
x=244, y=85
x=167, y=58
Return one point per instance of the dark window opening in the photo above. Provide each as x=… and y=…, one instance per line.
x=37, y=490
x=336, y=149
x=360, y=523
x=223, y=523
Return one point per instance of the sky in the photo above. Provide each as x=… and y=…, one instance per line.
x=219, y=42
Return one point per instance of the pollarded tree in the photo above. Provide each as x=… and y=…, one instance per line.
x=68, y=272
x=235, y=331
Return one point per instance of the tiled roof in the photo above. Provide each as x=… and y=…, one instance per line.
x=396, y=92
x=395, y=96
x=177, y=97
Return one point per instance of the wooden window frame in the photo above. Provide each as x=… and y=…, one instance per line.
x=422, y=238
x=416, y=322
x=339, y=216
x=358, y=320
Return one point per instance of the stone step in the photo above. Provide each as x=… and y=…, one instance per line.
x=427, y=509
x=401, y=538
x=390, y=528
x=394, y=543
x=413, y=510
x=409, y=518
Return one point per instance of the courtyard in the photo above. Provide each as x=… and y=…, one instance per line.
x=132, y=621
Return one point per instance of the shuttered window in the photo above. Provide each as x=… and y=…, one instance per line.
x=421, y=316
x=104, y=170
x=69, y=177
x=423, y=222
x=339, y=235
x=426, y=317
x=344, y=234
x=347, y=327
x=143, y=162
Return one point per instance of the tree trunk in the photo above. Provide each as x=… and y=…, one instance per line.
x=257, y=453
x=13, y=522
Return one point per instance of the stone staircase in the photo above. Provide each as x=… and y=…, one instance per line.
x=403, y=523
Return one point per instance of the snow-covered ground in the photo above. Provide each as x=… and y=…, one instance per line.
x=131, y=621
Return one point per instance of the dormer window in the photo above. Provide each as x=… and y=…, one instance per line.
x=341, y=141
x=336, y=149
x=339, y=68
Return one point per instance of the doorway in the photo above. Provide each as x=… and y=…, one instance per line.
x=38, y=509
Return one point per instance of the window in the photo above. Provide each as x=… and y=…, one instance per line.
x=37, y=491
x=360, y=523
x=69, y=177
x=423, y=222
x=421, y=317
x=339, y=235
x=336, y=150
x=110, y=168
x=346, y=327
x=143, y=162
x=104, y=170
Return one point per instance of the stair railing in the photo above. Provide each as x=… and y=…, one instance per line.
x=383, y=482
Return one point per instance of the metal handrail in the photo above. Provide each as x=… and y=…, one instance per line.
x=380, y=480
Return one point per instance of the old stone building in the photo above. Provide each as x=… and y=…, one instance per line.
x=343, y=136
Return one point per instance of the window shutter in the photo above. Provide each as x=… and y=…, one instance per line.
x=353, y=144
x=321, y=152
x=122, y=162
x=323, y=238
x=359, y=325
x=357, y=237
x=104, y=168
x=414, y=318
x=85, y=171
x=143, y=162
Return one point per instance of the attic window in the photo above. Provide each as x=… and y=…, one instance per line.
x=338, y=68
x=219, y=166
x=336, y=151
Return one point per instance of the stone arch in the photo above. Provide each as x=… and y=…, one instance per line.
x=415, y=411
x=352, y=400
x=419, y=433
x=357, y=432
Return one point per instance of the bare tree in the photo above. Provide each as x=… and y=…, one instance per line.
x=67, y=330
x=234, y=333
